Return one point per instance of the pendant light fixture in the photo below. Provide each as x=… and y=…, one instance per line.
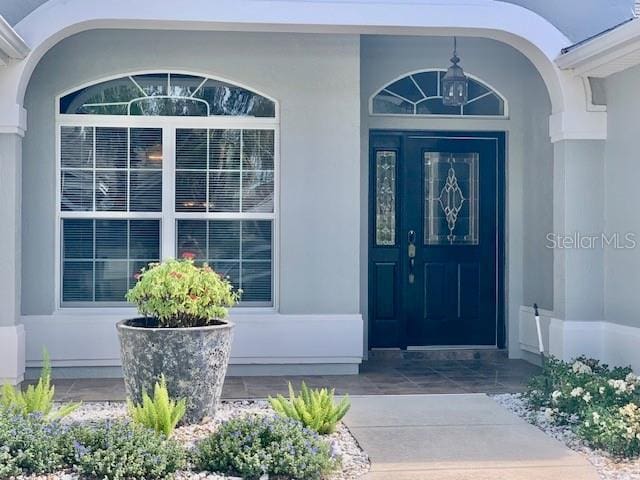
x=455, y=85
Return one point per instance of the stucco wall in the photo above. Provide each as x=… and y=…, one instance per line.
x=621, y=180
x=529, y=151
x=316, y=80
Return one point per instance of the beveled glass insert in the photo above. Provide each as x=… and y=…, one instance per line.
x=451, y=198
x=385, y=197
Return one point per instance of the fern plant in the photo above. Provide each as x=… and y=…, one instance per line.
x=161, y=413
x=316, y=409
x=36, y=398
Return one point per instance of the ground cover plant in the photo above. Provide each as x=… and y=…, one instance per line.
x=122, y=450
x=253, y=446
x=31, y=444
x=600, y=403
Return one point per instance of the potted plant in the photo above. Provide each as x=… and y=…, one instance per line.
x=181, y=334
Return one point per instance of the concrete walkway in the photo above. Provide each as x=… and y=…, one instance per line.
x=457, y=437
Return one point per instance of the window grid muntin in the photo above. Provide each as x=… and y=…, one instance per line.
x=168, y=215
x=129, y=260
x=94, y=170
x=440, y=73
x=240, y=260
x=240, y=171
x=258, y=97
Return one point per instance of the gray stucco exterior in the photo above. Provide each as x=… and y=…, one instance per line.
x=621, y=176
x=529, y=151
x=315, y=79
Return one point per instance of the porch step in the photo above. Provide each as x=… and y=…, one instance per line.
x=439, y=354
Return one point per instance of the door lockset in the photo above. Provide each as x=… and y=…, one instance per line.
x=411, y=253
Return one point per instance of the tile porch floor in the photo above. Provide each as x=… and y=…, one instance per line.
x=377, y=377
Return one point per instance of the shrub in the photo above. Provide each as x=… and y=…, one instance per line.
x=35, y=399
x=316, y=409
x=178, y=293
x=30, y=444
x=257, y=445
x=160, y=413
x=119, y=450
x=616, y=430
x=569, y=390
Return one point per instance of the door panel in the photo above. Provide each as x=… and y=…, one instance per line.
x=436, y=238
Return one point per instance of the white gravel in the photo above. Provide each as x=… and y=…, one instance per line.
x=354, y=461
x=608, y=468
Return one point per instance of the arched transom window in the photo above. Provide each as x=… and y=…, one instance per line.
x=418, y=94
x=160, y=165
x=166, y=94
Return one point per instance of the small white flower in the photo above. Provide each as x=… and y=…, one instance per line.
x=549, y=414
x=620, y=386
x=631, y=378
x=587, y=397
x=601, y=390
x=596, y=417
x=581, y=368
x=577, y=392
x=556, y=395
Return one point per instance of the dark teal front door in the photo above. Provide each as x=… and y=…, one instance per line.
x=436, y=243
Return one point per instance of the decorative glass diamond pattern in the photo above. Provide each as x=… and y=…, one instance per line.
x=385, y=198
x=451, y=198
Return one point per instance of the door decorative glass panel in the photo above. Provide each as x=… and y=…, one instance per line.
x=385, y=198
x=451, y=198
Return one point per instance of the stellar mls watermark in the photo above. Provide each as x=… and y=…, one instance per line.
x=581, y=241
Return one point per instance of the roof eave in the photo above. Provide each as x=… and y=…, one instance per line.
x=605, y=54
x=12, y=46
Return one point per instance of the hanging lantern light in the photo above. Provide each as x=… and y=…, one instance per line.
x=455, y=84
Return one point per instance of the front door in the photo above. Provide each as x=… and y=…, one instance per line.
x=436, y=239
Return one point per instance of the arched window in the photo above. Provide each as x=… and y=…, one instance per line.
x=159, y=165
x=418, y=94
x=167, y=94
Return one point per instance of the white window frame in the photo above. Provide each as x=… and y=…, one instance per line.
x=168, y=216
x=504, y=116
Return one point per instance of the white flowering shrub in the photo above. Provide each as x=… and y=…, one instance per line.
x=616, y=430
x=600, y=402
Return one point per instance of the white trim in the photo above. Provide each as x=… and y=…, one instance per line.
x=131, y=74
x=612, y=343
x=168, y=215
x=504, y=116
x=531, y=34
x=606, y=54
x=12, y=354
x=261, y=337
x=12, y=46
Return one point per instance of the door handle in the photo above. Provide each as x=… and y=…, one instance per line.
x=411, y=253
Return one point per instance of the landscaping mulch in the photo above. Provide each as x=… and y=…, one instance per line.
x=608, y=467
x=354, y=462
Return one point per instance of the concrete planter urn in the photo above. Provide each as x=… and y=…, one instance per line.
x=193, y=360
x=181, y=334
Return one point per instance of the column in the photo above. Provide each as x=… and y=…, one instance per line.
x=12, y=337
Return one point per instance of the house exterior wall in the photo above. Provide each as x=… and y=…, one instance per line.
x=529, y=264
x=621, y=177
x=315, y=79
